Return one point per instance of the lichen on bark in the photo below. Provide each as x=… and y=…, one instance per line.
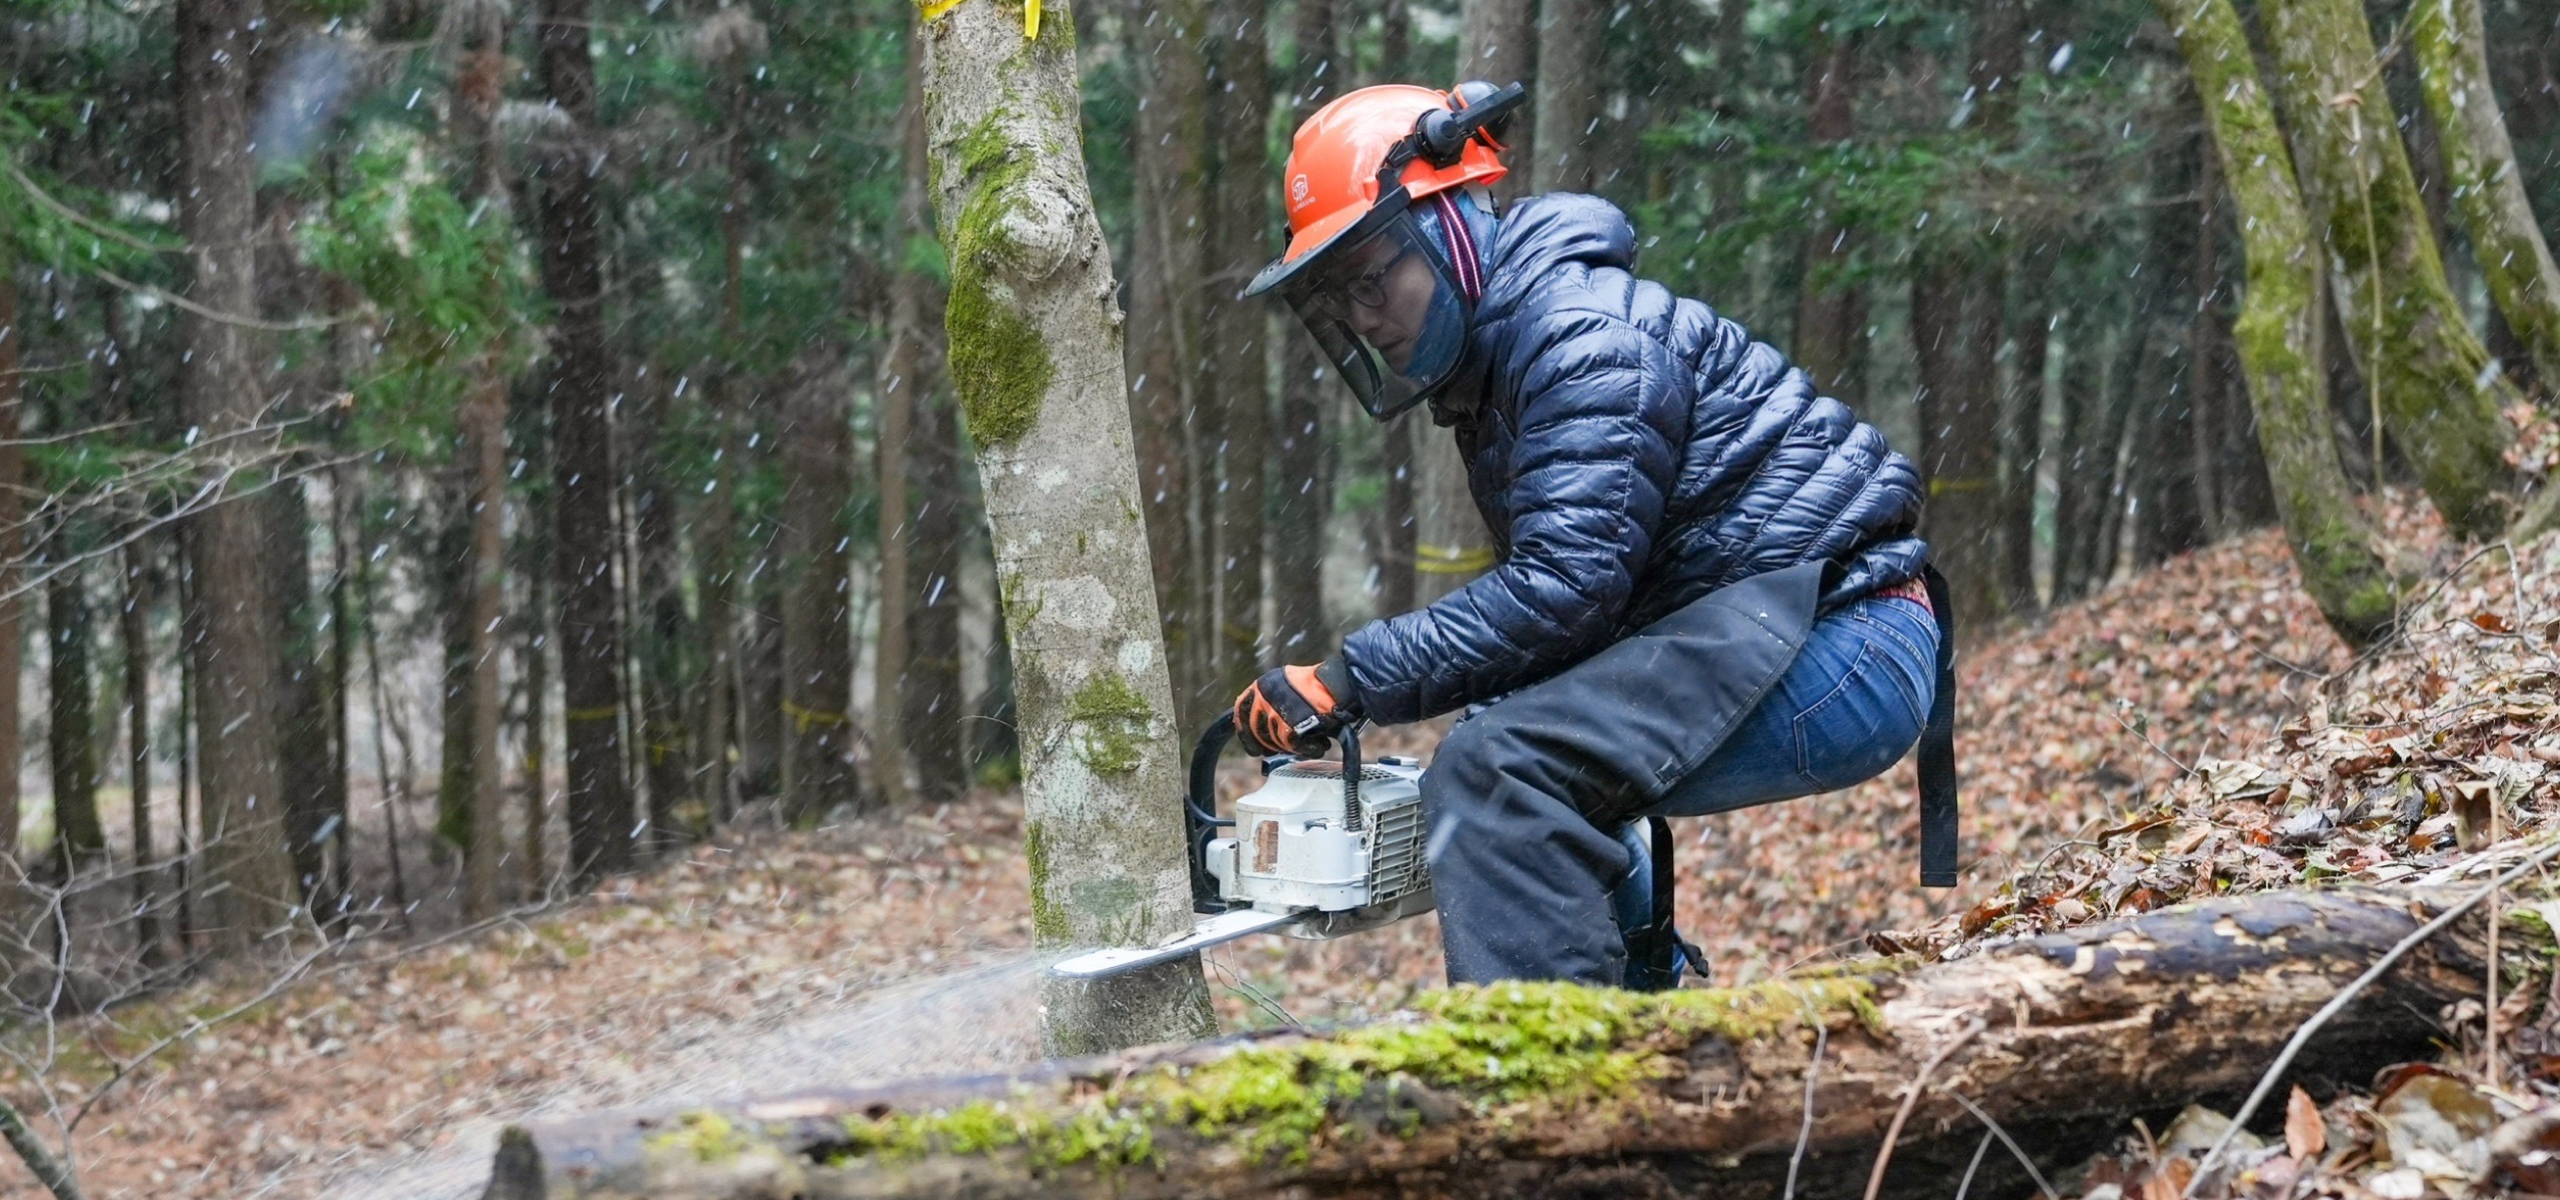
x=999, y=364
x=2440, y=396
x=1035, y=351
x=2277, y=333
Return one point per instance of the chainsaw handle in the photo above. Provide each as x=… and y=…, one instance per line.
x=1200, y=794
x=1351, y=776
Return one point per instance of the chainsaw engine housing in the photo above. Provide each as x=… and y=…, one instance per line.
x=1294, y=849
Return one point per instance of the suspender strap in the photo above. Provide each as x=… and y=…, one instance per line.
x=1663, y=875
x=1937, y=751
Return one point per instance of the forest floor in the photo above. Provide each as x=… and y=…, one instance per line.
x=2195, y=728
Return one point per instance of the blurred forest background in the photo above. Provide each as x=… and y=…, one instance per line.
x=451, y=452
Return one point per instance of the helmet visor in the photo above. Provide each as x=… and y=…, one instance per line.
x=1386, y=313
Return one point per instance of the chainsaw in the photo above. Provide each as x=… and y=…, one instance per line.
x=1321, y=850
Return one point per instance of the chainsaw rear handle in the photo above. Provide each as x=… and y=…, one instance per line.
x=1200, y=819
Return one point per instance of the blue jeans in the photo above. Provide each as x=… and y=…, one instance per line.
x=1528, y=808
x=1849, y=707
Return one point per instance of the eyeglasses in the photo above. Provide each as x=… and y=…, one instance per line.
x=1370, y=289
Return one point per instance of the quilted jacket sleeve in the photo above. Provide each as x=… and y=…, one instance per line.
x=1602, y=409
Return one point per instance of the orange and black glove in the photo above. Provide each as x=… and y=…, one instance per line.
x=1294, y=710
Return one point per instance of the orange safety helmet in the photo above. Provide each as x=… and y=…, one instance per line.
x=1357, y=170
x=1333, y=178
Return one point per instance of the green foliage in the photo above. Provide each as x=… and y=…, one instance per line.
x=451, y=285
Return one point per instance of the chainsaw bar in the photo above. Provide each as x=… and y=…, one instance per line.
x=1224, y=927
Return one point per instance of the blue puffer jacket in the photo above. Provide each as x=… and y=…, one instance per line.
x=1631, y=451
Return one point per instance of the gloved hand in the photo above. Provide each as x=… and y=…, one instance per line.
x=1294, y=710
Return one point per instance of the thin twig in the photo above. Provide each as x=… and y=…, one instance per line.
x=2005, y=1140
x=2146, y=740
x=2338, y=1003
x=1910, y=1099
x=2489, y=1013
x=1964, y=1186
x=66, y=212
x=1804, y=1132
x=216, y=315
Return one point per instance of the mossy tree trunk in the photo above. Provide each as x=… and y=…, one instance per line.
x=2335, y=545
x=2480, y=163
x=1539, y=1090
x=2439, y=397
x=1034, y=331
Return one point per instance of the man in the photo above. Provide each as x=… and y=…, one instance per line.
x=1709, y=596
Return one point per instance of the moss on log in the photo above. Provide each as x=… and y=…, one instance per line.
x=1545, y=1090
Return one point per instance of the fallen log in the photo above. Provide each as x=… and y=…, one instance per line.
x=1548, y=1090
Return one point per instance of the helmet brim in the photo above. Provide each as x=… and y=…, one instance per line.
x=1310, y=247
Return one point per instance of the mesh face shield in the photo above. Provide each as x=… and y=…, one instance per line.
x=1384, y=306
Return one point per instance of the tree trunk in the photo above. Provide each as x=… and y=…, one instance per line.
x=817, y=578
x=902, y=371
x=1237, y=412
x=1566, y=108
x=1302, y=498
x=536, y=639
x=2488, y=189
x=714, y=552
x=1959, y=437
x=458, y=757
x=1399, y=569
x=479, y=93
x=134, y=629
x=760, y=668
x=1534, y=1090
x=79, y=837
x=2335, y=545
x=2169, y=520
x=2079, y=471
x=600, y=813
x=1035, y=353
x=247, y=884
x=2022, y=429
x=2205, y=401
x=13, y=492
x=666, y=746
x=2441, y=400
x=1830, y=307
x=302, y=745
x=1166, y=325
x=936, y=701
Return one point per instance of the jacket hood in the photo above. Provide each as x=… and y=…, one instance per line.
x=1543, y=232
